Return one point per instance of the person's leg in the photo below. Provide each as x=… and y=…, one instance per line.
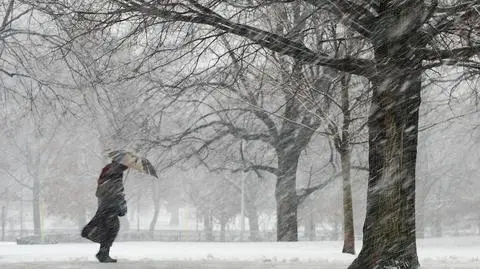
x=112, y=225
x=113, y=228
x=103, y=254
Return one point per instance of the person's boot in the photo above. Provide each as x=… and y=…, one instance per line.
x=103, y=256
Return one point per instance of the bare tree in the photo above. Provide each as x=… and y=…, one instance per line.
x=347, y=130
x=286, y=134
x=32, y=156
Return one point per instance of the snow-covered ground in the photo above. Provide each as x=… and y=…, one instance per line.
x=439, y=253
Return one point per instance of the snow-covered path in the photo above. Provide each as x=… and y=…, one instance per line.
x=452, y=253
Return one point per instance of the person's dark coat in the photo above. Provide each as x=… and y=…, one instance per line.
x=104, y=226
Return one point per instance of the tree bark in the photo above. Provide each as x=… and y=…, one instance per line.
x=348, y=227
x=286, y=196
x=389, y=230
x=345, y=156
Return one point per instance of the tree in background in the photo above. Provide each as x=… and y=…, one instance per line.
x=70, y=188
x=33, y=152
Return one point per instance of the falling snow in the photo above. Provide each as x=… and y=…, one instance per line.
x=251, y=134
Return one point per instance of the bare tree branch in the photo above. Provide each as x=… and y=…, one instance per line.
x=23, y=184
x=457, y=53
x=303, y=193
x=274, y=42
x=358, y=17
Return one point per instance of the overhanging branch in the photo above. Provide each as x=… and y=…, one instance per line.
x=450, y=17
x=274, y=42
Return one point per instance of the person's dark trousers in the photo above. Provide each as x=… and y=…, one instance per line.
x=111, y=226
x=103, y=229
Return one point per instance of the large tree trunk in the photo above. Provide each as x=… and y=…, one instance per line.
x=345, y=153
x=348, y=228
x=286, y=196
x=389, y=234
x=389, y=230
x=36, y=207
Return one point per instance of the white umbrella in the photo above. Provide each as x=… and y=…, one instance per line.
x=133, y=161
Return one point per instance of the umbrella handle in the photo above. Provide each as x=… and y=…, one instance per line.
x=125, y=179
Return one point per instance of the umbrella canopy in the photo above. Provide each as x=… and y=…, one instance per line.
x=133, y=161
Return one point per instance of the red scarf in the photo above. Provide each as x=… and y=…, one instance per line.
x=102, y=178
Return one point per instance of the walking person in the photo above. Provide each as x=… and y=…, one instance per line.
x=104, y=226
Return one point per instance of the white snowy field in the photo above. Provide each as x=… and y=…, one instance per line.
x=438, y=253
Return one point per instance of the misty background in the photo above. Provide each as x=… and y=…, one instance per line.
x=62, y=156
